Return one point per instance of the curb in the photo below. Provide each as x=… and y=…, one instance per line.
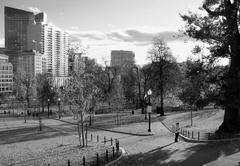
x=100, y=128
x=123, y=152
x=122, y=132
x=186, y=139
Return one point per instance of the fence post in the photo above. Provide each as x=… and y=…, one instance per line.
x=40, y=123
x=104, y=140
x=107, y=155
x=192, y=134
x=91, y=137
x=113, y=151
x=97, y=138
x=111, y=141
x=198, y=135
x=117, y=146
x=188, y=134
x=209, y=135
x=68, y=162
x=84, y=161
x=97, y=159
x=86, y=135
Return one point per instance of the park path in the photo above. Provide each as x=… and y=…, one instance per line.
x=158, y=149
x=132, y=144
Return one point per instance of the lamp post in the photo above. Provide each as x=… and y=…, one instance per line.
x=149, y=109
x=48, y=106
x=59, y=115
x=145, y=96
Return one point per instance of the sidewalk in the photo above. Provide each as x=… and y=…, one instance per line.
x=137, y=129
x=17, y=124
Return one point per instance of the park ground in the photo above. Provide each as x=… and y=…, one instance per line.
x=59, y=137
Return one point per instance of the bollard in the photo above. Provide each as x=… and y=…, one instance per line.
x=104, y=140
x=90, y=121
x=97, y=138
x=97, y=160
x=113, y=151
x=192, y=134
x=86, y=139
x=48, y=164
x=198, y=135
x=84, y=161
x=40, y=123
x=111, y=141
x=181, y=130
x=209, y=134
x=188, y=134
x=117, y=146
x=68, y=162
x=91, y=137
x=106, y=155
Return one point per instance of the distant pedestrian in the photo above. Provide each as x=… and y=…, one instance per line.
x=177, y=130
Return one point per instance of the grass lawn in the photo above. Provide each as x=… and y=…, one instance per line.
x=203, y=120
x=28, y=146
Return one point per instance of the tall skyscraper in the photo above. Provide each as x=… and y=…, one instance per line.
x=17, y=26
x=121, y=58
x=25, y=31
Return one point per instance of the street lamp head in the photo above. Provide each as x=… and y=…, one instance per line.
x=48, y=100
x=149, y=92
x=59, y=99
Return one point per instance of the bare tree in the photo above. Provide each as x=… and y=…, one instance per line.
x=161, y=58
x=24, y=87
x=81, y=92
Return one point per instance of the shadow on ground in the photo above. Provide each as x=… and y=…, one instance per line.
x=196, y=155
x=27, y=134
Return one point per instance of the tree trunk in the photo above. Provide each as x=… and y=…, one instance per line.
x=231, y=120
x=42, y=105
x=79, y=134
x=161, y=103
x=83, y=140
x=161, y=92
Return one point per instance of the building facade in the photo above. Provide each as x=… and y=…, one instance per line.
x=26, y=31
x=6, y=75
x=121, y=58
x=31, y=62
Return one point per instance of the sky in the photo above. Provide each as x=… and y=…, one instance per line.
x=105, y=25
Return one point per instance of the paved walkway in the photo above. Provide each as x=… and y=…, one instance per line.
x=160, y=149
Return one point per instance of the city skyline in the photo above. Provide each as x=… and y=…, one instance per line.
x=104, y=26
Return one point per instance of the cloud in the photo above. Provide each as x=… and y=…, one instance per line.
x=34, y=9
x=137, y=36
x=74, y=27
x=134, y=35
x=86, y=35
x=137, y=39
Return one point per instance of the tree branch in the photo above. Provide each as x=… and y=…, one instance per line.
x=213, y=13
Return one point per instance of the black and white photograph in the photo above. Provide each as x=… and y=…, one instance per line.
x=119, y=83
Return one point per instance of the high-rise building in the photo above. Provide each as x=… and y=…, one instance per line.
x=6, y=74
x=17, y=25
x=121, y=58
x=31, y=62
x=55, y=48
x=25, y=32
